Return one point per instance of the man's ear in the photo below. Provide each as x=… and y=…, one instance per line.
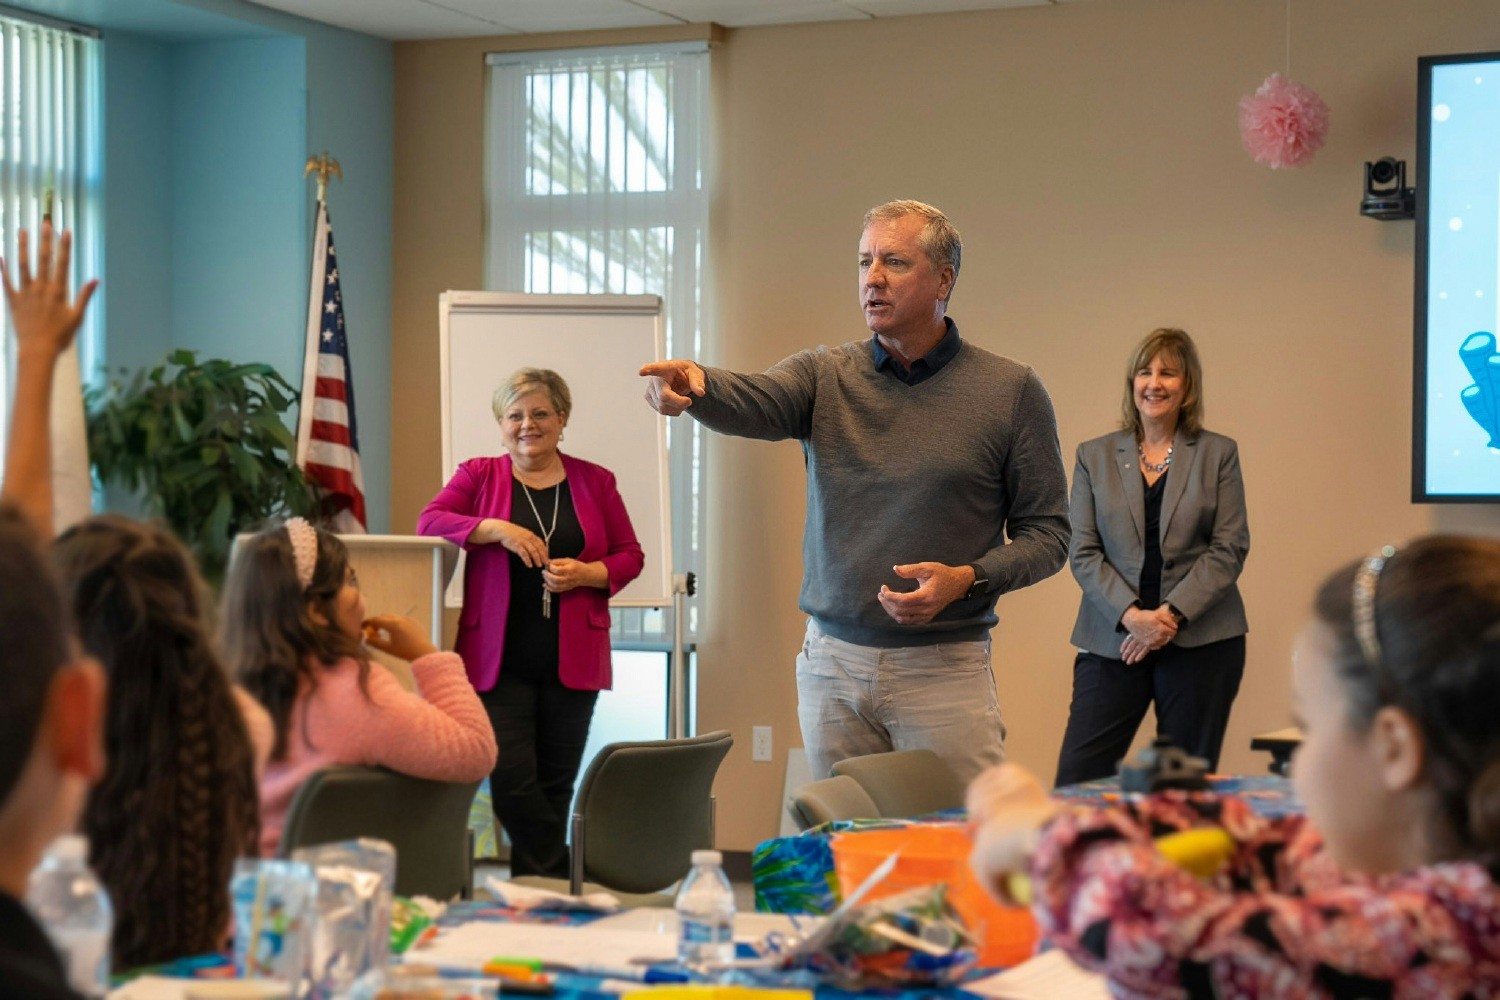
x=75, y=718
x=1397, y=748
x=945, y=282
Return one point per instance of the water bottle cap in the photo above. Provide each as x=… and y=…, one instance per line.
x=707, y=858
x=69, y=847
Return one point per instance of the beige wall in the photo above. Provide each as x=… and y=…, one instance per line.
x=1090, y=155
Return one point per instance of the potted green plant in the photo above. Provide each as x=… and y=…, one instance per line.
x=204, y=446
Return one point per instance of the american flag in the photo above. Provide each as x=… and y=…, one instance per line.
x=327, y=434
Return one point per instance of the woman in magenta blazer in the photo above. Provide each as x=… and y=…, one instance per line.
x=548, y=542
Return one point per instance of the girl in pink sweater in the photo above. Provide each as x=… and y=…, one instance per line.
x=294, y=631
x=1386, y=888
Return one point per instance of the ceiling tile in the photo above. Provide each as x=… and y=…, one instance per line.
x=902, y=8
x=395, y=19
x=744, y=13
x=563, y=15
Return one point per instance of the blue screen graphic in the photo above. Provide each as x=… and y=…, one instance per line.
x=1462, y=388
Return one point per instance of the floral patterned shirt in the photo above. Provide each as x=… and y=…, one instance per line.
x=1278, y=920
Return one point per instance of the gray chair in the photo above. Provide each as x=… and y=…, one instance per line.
x=427, y=822
x=905, y=782
x=641, y=811
x=839, y=797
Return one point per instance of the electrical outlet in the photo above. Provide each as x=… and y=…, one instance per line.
x=760, y=743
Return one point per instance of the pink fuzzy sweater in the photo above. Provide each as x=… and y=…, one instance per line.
x=441, y=733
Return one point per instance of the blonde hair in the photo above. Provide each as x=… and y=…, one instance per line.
x=1175, y=344
x=939, y=239
x=524, y=381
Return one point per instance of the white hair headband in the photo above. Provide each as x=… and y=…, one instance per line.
x=304, y=539
x=1365, y=582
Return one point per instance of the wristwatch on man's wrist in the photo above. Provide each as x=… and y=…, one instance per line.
x=981, y=584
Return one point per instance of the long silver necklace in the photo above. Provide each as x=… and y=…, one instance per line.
x=1148, y=466
x=546, y=536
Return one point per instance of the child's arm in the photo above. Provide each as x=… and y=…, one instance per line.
x=45, y=323
x=442, y=733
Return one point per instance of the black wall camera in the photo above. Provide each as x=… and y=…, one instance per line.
x=1386, y=195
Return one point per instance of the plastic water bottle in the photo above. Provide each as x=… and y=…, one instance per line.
x=705, y=912
x=69, y=901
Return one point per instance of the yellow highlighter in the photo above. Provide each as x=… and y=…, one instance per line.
x=1201, y=853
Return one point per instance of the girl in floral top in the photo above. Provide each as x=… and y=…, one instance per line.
x=1385, y=889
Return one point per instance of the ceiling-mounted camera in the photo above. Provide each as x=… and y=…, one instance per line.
x=1386, y=195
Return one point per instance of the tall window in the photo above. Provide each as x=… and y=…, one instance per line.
x=49, y=142
x=595, y=181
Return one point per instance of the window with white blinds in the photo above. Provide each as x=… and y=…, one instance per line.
x=595, y=183
x=50, y=91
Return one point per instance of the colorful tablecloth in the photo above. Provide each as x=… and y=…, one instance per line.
x=795, y=874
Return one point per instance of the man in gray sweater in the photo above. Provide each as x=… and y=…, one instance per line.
x=923, y=453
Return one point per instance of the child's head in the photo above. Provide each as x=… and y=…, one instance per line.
x=181, y=766
x=50, y=745
x=1395, y=685
x=290, y=596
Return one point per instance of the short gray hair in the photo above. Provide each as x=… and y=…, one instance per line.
x=939, y=239
x=524, y=381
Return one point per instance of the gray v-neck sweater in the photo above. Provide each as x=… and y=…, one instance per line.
x=941, y=471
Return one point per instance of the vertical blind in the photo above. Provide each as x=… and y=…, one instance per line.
x=49, y=141
x=596, y=183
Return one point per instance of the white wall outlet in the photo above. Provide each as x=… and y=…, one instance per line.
x=760, y=743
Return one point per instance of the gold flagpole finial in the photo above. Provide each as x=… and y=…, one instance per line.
x=323, y=166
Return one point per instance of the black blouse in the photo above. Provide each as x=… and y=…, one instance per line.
x=1150, y=587
x=531, y=640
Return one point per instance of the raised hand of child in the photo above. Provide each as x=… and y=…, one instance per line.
x=397, y=635
x=44, y=319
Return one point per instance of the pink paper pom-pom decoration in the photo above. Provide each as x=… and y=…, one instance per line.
x=1283, y=123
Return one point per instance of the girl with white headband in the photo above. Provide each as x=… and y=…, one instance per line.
x=1386, y=888
x=294, y=630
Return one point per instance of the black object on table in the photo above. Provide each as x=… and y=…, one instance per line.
x=1281, y=744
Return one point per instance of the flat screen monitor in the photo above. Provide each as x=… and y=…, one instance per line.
x=1456, y=419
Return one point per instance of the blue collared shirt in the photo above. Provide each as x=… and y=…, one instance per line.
x=924, y=367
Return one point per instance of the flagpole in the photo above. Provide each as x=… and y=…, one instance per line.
x=323, y=166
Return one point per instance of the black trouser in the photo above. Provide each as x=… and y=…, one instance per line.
x=1193, y=688
x=541, y=729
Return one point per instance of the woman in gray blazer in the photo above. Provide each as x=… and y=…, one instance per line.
x=1159, y=539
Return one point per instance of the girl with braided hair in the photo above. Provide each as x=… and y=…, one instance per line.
x=177, y=803
x=294, y=630
x=1386, y=888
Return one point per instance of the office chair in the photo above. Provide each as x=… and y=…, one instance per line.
x=641, y=811
x=839, y=797
x=905, y=782
x=427, y=822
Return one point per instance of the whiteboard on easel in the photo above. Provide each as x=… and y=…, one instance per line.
x=597, y=343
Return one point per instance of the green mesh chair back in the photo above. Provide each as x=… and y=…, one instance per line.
x=839, y=797
x=642, y=809
x=426, y=821
x=905, y=782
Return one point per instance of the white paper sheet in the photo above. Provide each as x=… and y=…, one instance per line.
x=469, y=946
x=1052, y=975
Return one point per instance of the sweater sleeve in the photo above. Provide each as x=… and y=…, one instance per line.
x=440, y=732
x=772, y=405
x=1037, y=518
x=1278, y=921
x=453, y=514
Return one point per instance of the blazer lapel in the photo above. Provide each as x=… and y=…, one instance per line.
x=1130, y=479
x=1184, y=457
